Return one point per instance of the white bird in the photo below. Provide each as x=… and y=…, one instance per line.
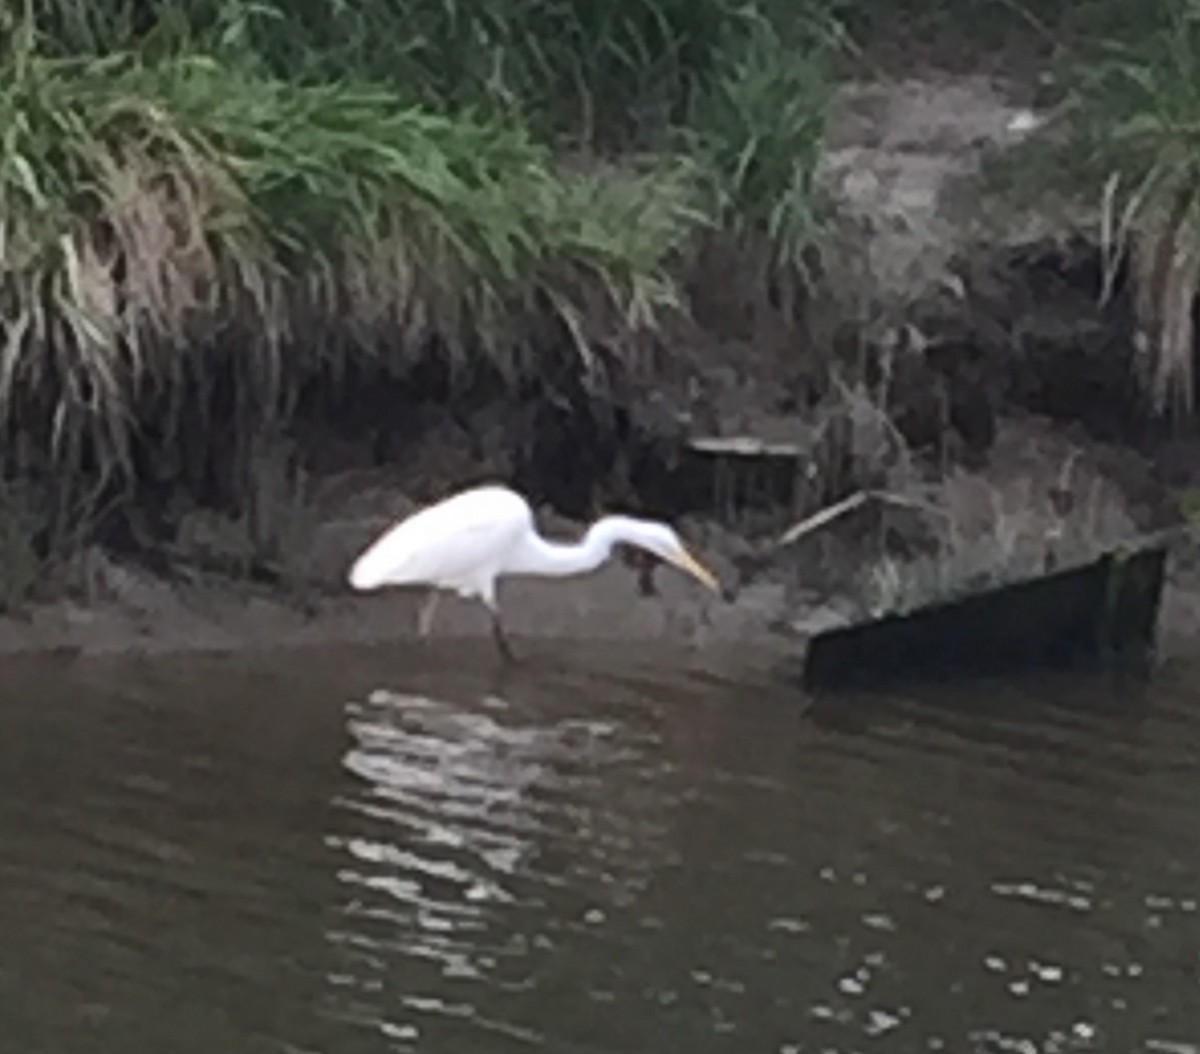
x=467, y=541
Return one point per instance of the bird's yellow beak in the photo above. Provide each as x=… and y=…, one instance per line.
x=685, y=561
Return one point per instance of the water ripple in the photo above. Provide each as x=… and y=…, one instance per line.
x=600, y=862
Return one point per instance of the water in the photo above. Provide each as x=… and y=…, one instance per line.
x=370, y=851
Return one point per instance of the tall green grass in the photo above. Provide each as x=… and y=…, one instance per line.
x=600, y=70
x=1142, y=114
x=200, y=194
x=759, y=128
x=152, y=213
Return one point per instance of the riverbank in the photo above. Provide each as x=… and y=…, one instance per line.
x=123, y=607
x=951, y=348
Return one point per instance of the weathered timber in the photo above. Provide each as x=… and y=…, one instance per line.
x=725, y=475
x=1100, y=613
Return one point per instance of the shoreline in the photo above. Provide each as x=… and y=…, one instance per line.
x=133, y=612
x=602, y=611
x=1004, y=381
x=157, y=618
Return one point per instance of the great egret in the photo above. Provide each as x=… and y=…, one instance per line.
x=467, y=541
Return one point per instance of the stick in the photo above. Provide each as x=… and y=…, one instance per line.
x=822, y=517
x=832, y=512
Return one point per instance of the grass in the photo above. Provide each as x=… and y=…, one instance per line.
x=993, y=534
x=1146, y=91
x=759, y=130
x=616, y=74
x=157, y=214
x=209, y=208
x=203, y=214
x=1128, y=76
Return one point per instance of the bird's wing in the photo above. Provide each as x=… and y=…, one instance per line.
x=451, y=544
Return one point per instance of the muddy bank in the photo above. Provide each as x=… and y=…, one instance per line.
x=152, y=616
x=997, y=509
x=954, y=350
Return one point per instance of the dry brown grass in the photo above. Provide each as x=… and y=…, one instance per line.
x=1145, y=103
x=1158, y=232
x=1039, y=506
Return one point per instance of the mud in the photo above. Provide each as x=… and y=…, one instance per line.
x=994, y=511
x=976, y=370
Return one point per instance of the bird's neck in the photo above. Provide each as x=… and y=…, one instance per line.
x=562, y=559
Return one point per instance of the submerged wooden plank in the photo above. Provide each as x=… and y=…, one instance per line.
x=1097, y=612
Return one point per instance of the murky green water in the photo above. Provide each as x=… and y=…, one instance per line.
x=351, y=853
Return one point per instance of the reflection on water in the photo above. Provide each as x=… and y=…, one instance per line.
x=481, y=838
x=352, y=853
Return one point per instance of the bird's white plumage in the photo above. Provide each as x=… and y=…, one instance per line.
x=467, y=541
x=459, y=544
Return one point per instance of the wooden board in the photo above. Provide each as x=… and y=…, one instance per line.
x=1102, y=612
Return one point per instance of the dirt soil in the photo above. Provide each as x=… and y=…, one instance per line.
x=909, y=271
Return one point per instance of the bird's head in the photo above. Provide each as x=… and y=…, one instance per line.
x=662, y=541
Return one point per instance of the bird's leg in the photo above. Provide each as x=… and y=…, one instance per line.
x=425, y=616
x=498, y=635
x=646, y=585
